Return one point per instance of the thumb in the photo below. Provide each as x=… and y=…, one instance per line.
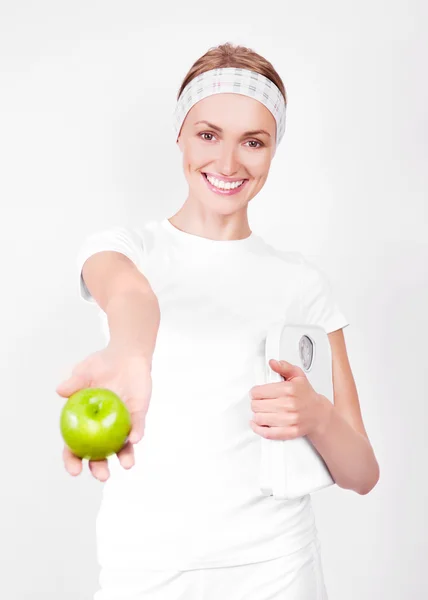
x=286, y=369
x=72, y=384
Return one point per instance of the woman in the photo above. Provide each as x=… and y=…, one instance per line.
x=188, y=519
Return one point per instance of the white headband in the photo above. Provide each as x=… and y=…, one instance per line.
x=237, y=81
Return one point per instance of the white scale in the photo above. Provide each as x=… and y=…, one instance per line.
x=293, y=468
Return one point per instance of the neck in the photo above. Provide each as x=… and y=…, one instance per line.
x=211, y=225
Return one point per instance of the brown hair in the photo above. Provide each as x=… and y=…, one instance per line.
x=229, y=55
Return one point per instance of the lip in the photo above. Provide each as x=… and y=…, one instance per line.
x=225, y=179
x=224, y=192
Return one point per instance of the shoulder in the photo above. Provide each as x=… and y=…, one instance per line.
x=286, y=256
x=132, y=241
x=305, y=269
x=139, y=236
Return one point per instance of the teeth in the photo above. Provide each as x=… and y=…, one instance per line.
x=223, y=185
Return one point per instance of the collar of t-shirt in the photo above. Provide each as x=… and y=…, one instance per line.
x=196, y=243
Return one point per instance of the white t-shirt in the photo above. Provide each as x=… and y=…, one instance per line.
x=192, y=500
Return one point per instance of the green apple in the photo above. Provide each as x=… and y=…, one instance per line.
x=95, y=423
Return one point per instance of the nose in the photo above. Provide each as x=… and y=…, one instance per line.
x=227, y=163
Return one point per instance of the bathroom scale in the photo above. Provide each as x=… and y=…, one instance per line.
x=290, y=469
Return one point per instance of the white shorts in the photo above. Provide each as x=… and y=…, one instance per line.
x=298, y=576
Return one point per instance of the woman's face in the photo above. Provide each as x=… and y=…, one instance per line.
x=222, y=147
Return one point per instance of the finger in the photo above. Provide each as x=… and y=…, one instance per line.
x=275, y=405
x=273, y=433
x=72, y=463
x=138, y=420
x=99, y=469
x=275, y=419
x=72, y=385
x=271, y=390
x=126, y=456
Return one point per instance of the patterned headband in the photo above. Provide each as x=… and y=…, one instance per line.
x=237, y=81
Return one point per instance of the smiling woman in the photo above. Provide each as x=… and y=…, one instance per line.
x=229, y=120
x=228, y=153
x=189, y=519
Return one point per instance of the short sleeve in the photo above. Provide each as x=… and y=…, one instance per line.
x=317, y=299
x=118, y=239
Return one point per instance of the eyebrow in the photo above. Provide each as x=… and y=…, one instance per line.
x=220, y=130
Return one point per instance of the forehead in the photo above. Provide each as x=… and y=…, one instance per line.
x=232, y=111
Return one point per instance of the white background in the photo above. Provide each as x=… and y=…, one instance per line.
x=86, y=141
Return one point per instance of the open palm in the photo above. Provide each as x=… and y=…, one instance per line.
x=127, y=375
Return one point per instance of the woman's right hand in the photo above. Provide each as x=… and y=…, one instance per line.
x=129, y=376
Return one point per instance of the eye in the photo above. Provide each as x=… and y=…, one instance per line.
x=205, y=133
x=260, y=144
x=256, y=142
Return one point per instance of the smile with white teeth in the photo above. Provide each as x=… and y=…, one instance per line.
x=223, y=185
